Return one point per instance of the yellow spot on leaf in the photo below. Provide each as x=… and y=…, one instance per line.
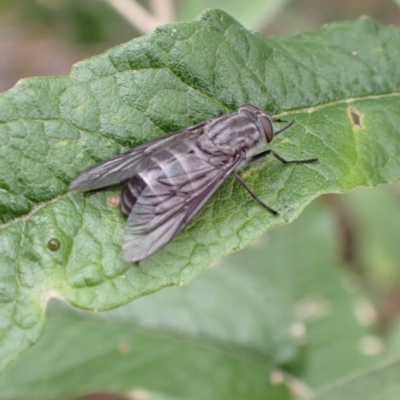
x=248, y=172
x=114, y=201
x=124, y=347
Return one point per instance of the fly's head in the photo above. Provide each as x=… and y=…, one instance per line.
x=262, y=120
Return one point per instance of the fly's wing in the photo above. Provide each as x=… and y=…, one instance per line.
x=164, y=209
x=117, y=170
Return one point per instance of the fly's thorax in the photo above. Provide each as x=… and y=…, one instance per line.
x=231, y=135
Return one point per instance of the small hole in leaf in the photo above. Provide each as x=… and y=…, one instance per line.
x=53, y=244
x=356, y=117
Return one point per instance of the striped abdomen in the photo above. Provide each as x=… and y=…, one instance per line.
x=170, y=175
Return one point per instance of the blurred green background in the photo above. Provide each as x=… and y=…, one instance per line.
x=46, y=37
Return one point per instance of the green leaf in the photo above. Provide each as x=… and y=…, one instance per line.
x=285, y=324
x=340, y=84
x=379, y=383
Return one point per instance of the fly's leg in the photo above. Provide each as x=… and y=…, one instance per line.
x=93, y=191
x=281, y=159
x=253, y=195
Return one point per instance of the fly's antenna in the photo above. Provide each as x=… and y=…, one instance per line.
x=285, y=127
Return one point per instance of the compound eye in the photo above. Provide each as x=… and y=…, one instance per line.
x=267, y=127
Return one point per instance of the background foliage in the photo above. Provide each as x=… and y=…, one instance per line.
x=299, y=313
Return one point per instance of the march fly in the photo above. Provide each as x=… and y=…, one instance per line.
x=167, y=181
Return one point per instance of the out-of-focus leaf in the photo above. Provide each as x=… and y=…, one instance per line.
x=378, y=383
x=376, y=215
